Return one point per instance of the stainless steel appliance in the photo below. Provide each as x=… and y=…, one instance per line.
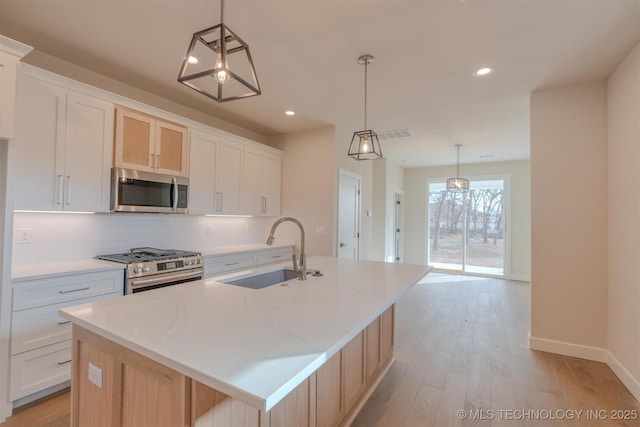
x=151, y=268
x=136, y=191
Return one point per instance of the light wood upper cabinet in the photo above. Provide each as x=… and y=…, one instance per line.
x=150, y=144
x=64, y=162
x=261, y=183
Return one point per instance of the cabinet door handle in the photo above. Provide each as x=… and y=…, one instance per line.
x=64, y=363
x=157, y=161
x=68, y=198
x=221, y=200
x=59, y=190
x=64, y=323
x=75, y=290
x=231, y=263
x=276, y=256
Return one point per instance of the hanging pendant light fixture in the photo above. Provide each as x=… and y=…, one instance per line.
x=457, y=184
x=365, y=144
x=218, y=64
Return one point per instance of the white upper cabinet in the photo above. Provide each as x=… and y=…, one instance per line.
x=63, y=149
x=11, y=52
x=215, y=181
x=232, y=178
x=202, y=167
x=228, y=178
x=261, y=183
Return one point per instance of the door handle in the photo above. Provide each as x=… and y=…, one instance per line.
x=342, y=245
x=68, y=198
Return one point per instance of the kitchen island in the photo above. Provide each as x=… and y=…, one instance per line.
x=207, y=353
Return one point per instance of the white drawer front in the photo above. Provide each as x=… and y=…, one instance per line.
x=222, y=264
x=39, y=369
x=38, y=327
x=276, y=255
x=41, y=292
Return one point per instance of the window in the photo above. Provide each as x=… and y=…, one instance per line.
x=467, y=231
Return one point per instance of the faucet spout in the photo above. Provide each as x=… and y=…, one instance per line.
x=300, y=267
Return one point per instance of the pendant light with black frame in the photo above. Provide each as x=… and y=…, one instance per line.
x=365, y=144
x=457, y=184
x=218, y=64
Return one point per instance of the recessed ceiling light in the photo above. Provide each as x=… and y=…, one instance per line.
x=192, y=60
x=290, y=113
x=483, y=72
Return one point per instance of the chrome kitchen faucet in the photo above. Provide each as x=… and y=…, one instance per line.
x=302, y=267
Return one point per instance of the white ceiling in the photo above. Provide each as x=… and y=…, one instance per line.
x=306, y=53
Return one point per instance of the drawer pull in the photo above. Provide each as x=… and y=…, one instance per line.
x=75, y=290
x=64, y=323
x=231, y=263
x=276, y=256
x=64, y=363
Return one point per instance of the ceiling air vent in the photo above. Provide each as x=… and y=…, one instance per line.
x=394, y=134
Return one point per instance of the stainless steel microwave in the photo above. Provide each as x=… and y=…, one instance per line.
x=136, y=191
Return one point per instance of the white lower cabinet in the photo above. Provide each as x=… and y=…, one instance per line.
x=40, y=369
x=216, y=265
x=40, y=338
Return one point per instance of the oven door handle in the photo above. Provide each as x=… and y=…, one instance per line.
x=166, y=278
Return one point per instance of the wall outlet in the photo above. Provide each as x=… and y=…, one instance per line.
x=95, y=375
x=24, y=235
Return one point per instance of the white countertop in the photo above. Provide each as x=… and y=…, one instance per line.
x=20, y=273
x=254, y=345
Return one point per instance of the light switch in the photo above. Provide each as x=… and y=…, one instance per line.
x=95, y=375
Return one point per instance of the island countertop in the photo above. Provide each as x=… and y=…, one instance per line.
x=254, y=345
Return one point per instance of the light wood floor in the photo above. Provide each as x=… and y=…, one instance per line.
x=461, y=344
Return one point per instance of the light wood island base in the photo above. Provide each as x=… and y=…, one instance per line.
x=137, y=391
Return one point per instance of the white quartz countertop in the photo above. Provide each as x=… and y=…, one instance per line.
x=254, y=345
x=20, y=273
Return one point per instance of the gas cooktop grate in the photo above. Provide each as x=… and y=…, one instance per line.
x=147, y=254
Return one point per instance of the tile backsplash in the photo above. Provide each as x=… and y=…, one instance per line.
x=63, y=237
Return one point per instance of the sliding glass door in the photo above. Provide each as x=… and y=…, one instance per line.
x=467, y=231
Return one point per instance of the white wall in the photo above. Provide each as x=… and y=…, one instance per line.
x=388, y=177
x=623, y=320
x=569, y=216
x=416, y=210
x=60, y=237
x=308, y=184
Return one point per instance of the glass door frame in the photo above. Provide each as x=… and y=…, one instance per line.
x=506, y=213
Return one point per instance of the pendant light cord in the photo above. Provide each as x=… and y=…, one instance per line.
x=221, y=11
x=366, y=63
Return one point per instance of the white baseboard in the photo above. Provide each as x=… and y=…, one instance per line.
x=520, y=277
x=596, y=354
x=633, y=384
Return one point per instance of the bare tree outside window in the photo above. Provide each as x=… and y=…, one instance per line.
x=466, y=231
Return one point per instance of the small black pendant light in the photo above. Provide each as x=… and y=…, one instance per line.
x=218, y=64
x=457, y=184
x=364, y=143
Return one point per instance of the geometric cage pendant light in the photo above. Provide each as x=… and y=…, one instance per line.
x=365, y=144
x=218, y=64
x=457, y=184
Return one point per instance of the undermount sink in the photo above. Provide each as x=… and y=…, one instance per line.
x=263, y=280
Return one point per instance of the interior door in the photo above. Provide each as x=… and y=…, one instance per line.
x=348, y=216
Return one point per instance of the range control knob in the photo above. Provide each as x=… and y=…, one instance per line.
x=137, y=270
x=145, y=269
x=188, y=262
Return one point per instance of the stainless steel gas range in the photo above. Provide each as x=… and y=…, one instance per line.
x=151, y=268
